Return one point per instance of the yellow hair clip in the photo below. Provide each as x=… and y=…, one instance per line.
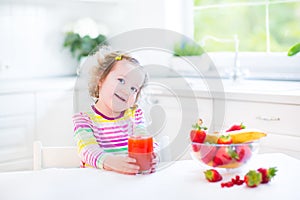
x=118, y=57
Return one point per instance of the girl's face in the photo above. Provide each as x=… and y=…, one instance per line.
x=118, y=91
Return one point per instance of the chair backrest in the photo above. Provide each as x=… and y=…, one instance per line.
x=165, y=151
x=54, y=157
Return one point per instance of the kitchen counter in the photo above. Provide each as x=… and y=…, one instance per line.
x=36, y=84
x=287, y=92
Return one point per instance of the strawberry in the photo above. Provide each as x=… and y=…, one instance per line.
x=224, y=156
x=244, y=153
x=253, y=178
x=208, y=153
x=236, y=127
x=212, y=175
x=224, y=139
x=196, y=147
x=267, y=174
x=198, y=134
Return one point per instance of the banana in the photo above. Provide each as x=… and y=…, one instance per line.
x=211, y=138
x=240, y=136
x=246, y=135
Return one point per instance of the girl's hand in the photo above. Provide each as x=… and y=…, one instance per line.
x=155, y=162
x=121, y=164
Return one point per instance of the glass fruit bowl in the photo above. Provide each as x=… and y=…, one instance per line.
x=223, y=156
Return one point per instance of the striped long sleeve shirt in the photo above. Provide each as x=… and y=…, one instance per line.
x=97, y=135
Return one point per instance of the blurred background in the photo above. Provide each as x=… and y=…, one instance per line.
x=42, y=43
x=33, y=31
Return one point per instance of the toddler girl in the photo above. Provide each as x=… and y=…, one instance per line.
x=102, y=134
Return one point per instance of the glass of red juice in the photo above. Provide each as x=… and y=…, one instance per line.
x=140, y=147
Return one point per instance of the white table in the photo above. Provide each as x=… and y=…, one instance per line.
x=180, y=180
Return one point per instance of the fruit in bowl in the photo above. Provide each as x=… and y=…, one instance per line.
x=228, y=156
x=230, y=149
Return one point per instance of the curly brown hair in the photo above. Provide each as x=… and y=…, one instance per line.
x=105, y=65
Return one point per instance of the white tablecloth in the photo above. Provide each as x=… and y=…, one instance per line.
x=180, y=180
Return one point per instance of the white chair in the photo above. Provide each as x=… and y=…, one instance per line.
x=54, y=157
x=165, y=152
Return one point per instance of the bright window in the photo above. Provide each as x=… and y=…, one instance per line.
x=261, y=25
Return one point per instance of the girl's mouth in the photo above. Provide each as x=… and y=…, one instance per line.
x=119, y=97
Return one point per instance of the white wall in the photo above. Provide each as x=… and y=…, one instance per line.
x=31, y=31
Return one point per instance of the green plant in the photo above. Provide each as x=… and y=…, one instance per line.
x=187, y=49
x=294, y=49
x=82, y=46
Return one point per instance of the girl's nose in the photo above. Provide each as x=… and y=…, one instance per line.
x=125, y=89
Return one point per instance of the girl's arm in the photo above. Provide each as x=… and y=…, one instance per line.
x=90, y=152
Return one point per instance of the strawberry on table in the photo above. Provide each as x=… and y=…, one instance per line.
x=198, y=134
x=212, y=175
x=224, y=139
x=267, y=174
x=236, y=127
x=253, y=178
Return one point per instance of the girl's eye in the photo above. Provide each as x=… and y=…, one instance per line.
x=133, y=89
x=122, y=81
